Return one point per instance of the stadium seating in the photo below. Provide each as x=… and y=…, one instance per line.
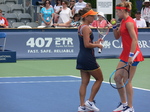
x=17, y=8
x=10, y=2
x=17, y=24
x=14, y=11
x=24, y=17
x=11, y=17
x=4, y=8
x=32, y=24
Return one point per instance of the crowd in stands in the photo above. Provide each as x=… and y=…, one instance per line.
x=64, y=13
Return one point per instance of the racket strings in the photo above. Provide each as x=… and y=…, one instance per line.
x=119, y=78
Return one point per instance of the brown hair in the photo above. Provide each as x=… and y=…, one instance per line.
x=83, y=11
x=57, y=2
x=127, y=5
x=0, y=11
x=46, y=2
x=89, y=4
x=76, y=15
x=66, y=2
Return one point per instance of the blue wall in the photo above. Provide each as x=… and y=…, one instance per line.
x=63, y=43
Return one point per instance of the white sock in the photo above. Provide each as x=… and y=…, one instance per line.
x=125, y=104
x=131, y=109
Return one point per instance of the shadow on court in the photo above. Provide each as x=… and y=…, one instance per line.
x=59, y=94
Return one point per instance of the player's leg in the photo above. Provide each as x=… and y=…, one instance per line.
x=122, y=93
x=129, y=90
x=85, y=76
x=118, y=79
x=97, y=74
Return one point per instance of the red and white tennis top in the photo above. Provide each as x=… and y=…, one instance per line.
x=3, y=21
x=126, y=40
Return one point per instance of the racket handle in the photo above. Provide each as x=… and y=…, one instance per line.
x=99, y=50
x=135, y=55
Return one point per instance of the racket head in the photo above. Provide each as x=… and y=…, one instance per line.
x=120, y=77
x=103, y=31
x=102, y=26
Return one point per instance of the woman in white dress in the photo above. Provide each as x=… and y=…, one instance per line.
x=64, y=13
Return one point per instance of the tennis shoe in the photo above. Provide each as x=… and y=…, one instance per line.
x=83, y=109
x=91, y=106
x=120, y=107
x=128, y=109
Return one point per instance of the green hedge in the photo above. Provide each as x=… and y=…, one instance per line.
x=93, y=3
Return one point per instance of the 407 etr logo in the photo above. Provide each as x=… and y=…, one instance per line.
x=48, y=41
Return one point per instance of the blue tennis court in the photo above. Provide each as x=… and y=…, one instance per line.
x=59, y=94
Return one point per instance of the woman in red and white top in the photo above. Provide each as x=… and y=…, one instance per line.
x=3, y=21
x=101, y=21
x=129, y=34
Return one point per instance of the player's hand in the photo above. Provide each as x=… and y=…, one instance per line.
x=98, y=41
x=130, y=61
x=112, y=20
x=100, y=46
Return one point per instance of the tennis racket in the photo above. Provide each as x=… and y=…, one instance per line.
x=125, y=72
x=102, y=30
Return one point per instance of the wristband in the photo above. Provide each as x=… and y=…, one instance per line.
x=114, y=27
x=131, y=54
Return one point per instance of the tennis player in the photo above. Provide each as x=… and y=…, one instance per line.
x=86, y=61
x=129, y=34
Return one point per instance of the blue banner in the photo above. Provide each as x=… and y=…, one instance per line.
x=64, y=44
x=7, y=56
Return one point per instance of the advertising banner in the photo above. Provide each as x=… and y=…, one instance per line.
x=58, y=44
x=7, y=56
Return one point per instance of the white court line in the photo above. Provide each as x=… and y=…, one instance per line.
x=30, y=77
x=36, y=81
x=108, y=83
x=56, y=81
x=39, y=81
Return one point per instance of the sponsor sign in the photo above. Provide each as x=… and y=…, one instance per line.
x=65, y=44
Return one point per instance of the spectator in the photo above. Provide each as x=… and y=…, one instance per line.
x=71, y=5
x=88, y=5
x=101, y=21
x=28, y=7
x=74, y=22
x=65, y=13
x=47, y=14
x=145, y=12
x=78, y=6
x=3, y=21
x=41, y=3
x=57, y=8
x=139, y=21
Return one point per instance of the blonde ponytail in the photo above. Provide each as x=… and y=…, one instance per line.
x=127, y=5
